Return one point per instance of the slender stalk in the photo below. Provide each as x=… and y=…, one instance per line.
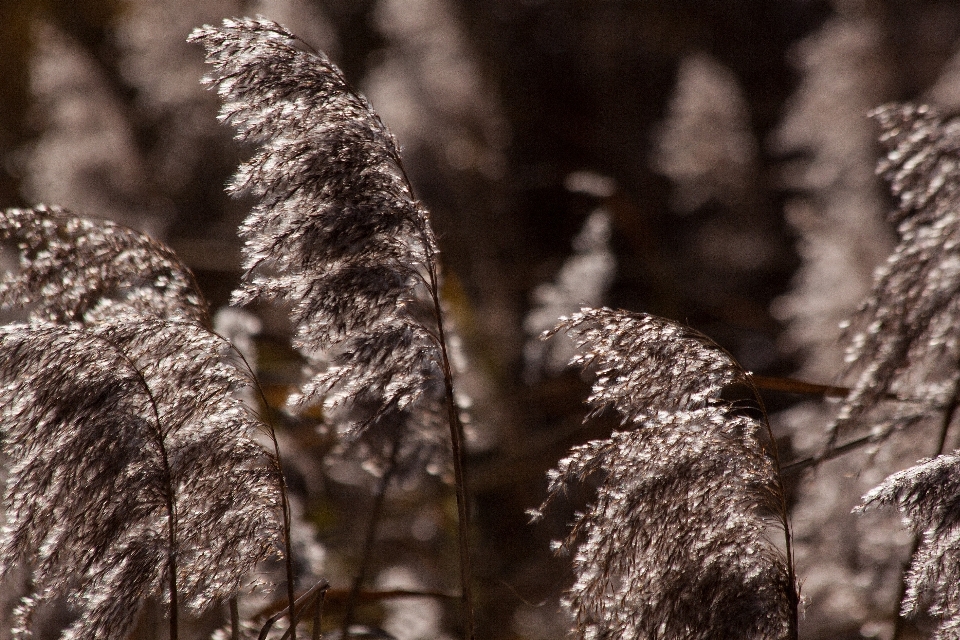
x=285, y=509
x=456, y=442
x=317, y=614
x=811, y=461
x=172, y=557
x=900, y=625
x=339, y=597
x=234, y=619
x=281, y=486
x=316, y=602
x=802, y=387
x=371, y=537
x=793, y=385
x=169, y=496
x=792, y=595
x=300, y=604
x=456, y=429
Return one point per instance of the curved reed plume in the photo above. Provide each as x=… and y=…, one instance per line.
x=70, y=264
x=675, y=543
x=904, y=338
x=337, y=235
x=133, y=468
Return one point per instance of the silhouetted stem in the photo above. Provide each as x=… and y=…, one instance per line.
x=802, y=387
x=169, y=497
x=456, y=441
x=792, y=595
x=288, y=546
x=453, y=419
x=172, y=561
x=317, y=614
x=371, y=536
x=339, y=597
x=282, y=488
x=316, y=603
x=234, y=619
x=810, y=461
x=300, y=604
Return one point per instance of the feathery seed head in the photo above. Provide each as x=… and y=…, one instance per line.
x=674, y=545
x=141, y=413
x=336, y=233
x=70, y=265
x=928, y=496
x=904, y=338
x=118, y=386
x=646, y=365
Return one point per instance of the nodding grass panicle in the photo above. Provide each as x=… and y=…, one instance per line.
x=927, y=494
x=337, y=235
x=904, y=352
x=904, y=341
x=674, y=544
x=70, y=264
x=133, y=472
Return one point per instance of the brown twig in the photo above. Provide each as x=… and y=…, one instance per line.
x=234, y=619
x=317, y=614
x=281, y=485
x=802, y=387
x=294, y=610
x=456, y=440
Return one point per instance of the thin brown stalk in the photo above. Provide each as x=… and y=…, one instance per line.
x=456, y=440
x=315, y=602
x=339, y=597
x=285, y=508
x=317, y=615
x=299, y=605
x=784, y=512
x=811, y=461
x=801, y=387
x=169, y=502
x=281, y=486
x=234, y=619
x=457, y=437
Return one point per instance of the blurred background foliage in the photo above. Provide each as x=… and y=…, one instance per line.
x=707, y=161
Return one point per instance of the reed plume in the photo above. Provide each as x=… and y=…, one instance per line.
x=928, y=496
x=903, y=339
x=69, y=265
x=905, y=345
x=337, y=235
x=675, y=543
x=133, y=472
